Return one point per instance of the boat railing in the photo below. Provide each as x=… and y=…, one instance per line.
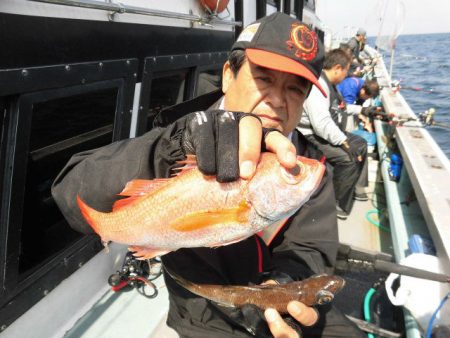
x=426, y=164
x=119, y=8
x=425, y=174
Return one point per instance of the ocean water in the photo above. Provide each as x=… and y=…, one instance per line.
x=422, y=65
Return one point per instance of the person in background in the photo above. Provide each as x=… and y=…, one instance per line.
x=356, y=69
x=357, y=43
x=324, y=122
x=265, y=81
x=355, y=92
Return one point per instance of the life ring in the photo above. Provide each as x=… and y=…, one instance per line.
x=215, y=6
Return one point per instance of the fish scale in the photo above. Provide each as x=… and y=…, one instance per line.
x=192, y=210
x=316, y=290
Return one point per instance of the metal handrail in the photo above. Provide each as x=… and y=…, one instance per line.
x=118, y=8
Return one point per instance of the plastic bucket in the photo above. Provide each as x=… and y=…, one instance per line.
x=420, y=296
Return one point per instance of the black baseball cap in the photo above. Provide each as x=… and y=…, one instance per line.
x=280, y=42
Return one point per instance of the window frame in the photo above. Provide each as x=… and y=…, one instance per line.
x=20, y=88
x=160, y=66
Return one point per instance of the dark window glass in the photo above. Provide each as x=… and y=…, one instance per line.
x=209, y=81
x=59, y=128
x=166, y=91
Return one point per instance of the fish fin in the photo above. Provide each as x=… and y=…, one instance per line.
x=189, y=163
x=142, y=252
x=137, y=188
x=270, y=232
x=106, y=246
x=141, y=187
x=87, y=213
x=124, y=202
x=190, y=160
x=224, y=305
x=202, y=219
x=217, y=245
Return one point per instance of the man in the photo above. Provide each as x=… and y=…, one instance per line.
x=357, y=43
x=266, y=79
x=355, y=90
x=323, y=123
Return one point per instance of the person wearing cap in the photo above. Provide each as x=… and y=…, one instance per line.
x=356, y=44
x=268, y=75
x=324, y=122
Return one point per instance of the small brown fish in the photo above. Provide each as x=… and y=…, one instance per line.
x=316, y=290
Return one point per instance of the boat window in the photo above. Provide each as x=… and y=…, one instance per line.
x=59, y=126
x=47, y=115
x=208, y=81
x=166, y=90
x=171, y=79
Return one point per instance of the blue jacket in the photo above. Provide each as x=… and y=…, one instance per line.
x=349, y=89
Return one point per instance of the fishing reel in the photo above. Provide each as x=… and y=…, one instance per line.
x=137, y=274
x=427, y=117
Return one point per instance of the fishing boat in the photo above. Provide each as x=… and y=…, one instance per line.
x=79, y=74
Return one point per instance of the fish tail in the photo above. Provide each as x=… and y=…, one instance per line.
x=89, y=215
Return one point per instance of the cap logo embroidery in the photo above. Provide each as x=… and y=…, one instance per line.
x=304, y=41
x=248, y=33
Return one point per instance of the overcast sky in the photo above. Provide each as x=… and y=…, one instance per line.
x=421, y=16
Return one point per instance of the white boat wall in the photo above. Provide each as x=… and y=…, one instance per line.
x=426, y=177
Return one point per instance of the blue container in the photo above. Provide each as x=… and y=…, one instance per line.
x=395, y=168
x=370, y=138
x=421, y=244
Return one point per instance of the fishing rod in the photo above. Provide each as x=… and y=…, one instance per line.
x=426, y=118
x=397, y=84
x=430, y=91
x=348, y=257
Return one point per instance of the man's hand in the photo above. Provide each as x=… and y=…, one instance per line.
x=305, y=315
x=371, y=111
x=366, y=122
x=228, y=144
x=351, y=150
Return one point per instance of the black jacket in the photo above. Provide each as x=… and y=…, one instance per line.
x=307, y=244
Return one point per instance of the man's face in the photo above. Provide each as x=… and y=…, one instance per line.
x=363, y=95
x=276, y=97
x=340, y=73
x=344, y=72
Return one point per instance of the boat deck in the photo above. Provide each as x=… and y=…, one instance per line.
x=357, y=230
x=126, y=314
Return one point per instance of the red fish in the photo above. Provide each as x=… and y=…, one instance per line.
x=193, y=210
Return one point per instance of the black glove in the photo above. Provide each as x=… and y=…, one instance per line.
x=370, y=111
x=213, y=136
x=351, y=150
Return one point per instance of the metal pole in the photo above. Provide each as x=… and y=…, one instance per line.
x=119, y=8
x=391, y=63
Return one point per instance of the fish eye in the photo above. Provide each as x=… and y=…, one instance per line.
x=295, y=171
x=324, y=297
x=291, y=176
x=324, y=300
